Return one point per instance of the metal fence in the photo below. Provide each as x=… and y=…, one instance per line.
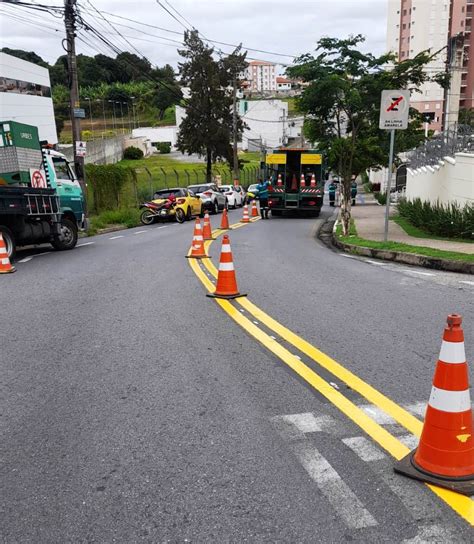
x=459, y=139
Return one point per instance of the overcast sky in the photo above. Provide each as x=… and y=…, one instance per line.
x=290, y=27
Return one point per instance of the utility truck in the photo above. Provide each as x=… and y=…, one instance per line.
x=41, y=200
x=297, y=177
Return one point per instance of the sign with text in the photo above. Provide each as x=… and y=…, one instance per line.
x=81, y=149
x=394, y=109
x=276, y=158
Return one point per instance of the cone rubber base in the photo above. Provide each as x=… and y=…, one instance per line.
x=408, y=467
x=12, y=269
x=226, y=297
x=193, y=257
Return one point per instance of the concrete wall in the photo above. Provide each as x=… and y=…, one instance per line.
x=108, y=151
x=452, y=181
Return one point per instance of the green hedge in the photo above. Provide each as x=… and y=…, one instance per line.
x=450, y=221
x=107, y=182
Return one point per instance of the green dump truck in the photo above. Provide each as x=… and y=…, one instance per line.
x=41, y=200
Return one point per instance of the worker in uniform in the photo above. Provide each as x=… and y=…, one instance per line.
x=353, y=191
x=262, y=189
x=332, y=192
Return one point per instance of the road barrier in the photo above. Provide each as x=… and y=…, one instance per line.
x=5, y=264
x=445, y=454
x=226, y=286
x=197, y=250
x=254, y=209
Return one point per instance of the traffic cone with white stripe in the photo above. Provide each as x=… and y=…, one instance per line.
x=279, y=181
x=445, y=453
x=226, y=286
x=207, y=229
x=5, y=264
x=197, y=250
x=254, y=209
x=313, y=181
x=302, y=182
x=245, y=217
x=224, y=220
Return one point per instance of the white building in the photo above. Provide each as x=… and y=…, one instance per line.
x=156, y=135
x=25, y=96
x=261, y=76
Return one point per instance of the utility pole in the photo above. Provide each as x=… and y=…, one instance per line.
x=235, y=135
x=70, y=24
x=454, y=68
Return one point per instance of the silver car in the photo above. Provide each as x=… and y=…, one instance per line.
x=213, y=200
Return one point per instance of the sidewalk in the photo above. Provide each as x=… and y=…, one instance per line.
x=369, y=222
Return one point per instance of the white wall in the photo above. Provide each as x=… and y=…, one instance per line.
x=264, y=119
x=446, y=183
x=160, y=134
x=24, y=108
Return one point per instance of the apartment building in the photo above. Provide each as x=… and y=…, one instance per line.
x=261, y=76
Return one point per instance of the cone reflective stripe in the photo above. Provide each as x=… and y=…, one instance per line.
x=206, y=229
x=313, y=181
x=197, y=250
x=5, y=264
x=254, y=209
x=224, y=220
x=303, y=181
x=445, y=454
x=279, y=181
x=245, y=217
x=226, y=286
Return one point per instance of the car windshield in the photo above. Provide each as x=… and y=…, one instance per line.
x=167, y=193
x=199, y=188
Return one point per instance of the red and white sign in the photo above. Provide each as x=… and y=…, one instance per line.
x=394, y=110
x=38, y=179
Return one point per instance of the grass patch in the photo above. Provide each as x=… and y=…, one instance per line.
x=352, y=229
x=126, y=217
x=416, y=232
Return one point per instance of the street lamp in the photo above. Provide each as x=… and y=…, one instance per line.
x=121, y=115
x=105, y=119
x=128, y=117
x=90, y=112
x=113, y=115
x=135, y=124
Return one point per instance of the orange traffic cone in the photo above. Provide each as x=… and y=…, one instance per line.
x=313, y=181
x=445, y=453
x=207, y=229
x=279, y=181
x=245, y=217
x=5, y=264
x=302, y=181
x=197, y=248
x=226, y=286
x=254, y=209
x=224, y=220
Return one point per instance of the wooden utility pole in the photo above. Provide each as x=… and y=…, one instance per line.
x=235, y=134
x=70, y=24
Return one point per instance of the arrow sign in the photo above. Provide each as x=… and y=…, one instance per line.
x=394, y=110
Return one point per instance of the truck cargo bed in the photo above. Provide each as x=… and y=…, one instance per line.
x=28, y=201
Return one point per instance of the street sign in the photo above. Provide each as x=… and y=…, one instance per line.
x=394, y=109
x=79, y=113
x=38, y=179
x=276, y=158
x=81, y=149
x=311, y=158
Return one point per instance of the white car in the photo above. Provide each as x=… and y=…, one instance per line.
x=233, y=195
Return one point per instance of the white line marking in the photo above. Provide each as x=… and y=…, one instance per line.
x=273, y=337
x=348, y=256
x=306, y=423
x=418, y=272
x=417, y=409
x=163, y=227
x=431, y=533
x=375, y=262
x=363, y=448
x=409, y=440
x=139, y=232
x=25, y=260
x=466, y=282
x=378, y=415
x=256, y=322
x=115, y=237
x=336, y=491
x=85, y=244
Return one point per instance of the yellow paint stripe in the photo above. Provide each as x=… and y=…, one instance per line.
x=463, y=505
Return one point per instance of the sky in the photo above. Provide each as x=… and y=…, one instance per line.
x=288, y=27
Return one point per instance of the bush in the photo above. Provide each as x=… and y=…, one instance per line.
x=133, y=153
x=450, y=221
x=107, y=182
x=381, y=198
x=164, y=147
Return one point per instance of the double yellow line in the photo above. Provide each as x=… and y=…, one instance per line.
x=463, y=505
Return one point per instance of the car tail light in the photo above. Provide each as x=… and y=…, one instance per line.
x=181, y=200
x=207, y=193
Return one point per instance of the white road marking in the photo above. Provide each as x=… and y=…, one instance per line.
x=409, y=440
x=115, y=237
x=348, y=256
x=364, y=449
x=163, y=227
x=378, y=415
x=417, y=409
x=85, y=244
x=377, y=263
x=466, y=282
x=139, y=232
x=431, y=533
x=25, y=260
x=306, y=423
x=336, y=491
x=418, y=272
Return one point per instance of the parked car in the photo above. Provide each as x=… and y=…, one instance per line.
x=234, y=197
x=211, y=197
x=251, y=193
x=243, y=193
x=184, y=207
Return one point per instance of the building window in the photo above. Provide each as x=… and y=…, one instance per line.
x=18, y=86
x=404, y=26
x=403, y=54
x=427, y=106
x=404, y=12
x=438, y=106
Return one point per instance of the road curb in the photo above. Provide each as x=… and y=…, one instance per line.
x=327, y=234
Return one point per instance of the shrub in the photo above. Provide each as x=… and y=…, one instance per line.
x=133, y=153
x=164, y=147
x=450, y=220
x=107, y=182
x=381, y=198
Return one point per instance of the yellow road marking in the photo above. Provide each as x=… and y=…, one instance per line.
x=463, y=505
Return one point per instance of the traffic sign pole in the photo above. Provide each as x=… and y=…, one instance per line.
x=389, y=183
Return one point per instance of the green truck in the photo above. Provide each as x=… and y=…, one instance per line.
x=41, y=200
x=297, y=177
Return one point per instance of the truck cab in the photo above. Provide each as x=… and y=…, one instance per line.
x=297, y=177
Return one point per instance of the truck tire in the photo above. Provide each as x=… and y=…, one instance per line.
x=68, y=237
x=9, y=240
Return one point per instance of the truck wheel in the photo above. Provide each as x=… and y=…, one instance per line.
x=67, y=239
x=9, y=240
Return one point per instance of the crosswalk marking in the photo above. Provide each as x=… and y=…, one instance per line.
x=364, y=449
x=378, y=415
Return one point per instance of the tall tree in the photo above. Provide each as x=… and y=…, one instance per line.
x=342, y=101
x=207, y=127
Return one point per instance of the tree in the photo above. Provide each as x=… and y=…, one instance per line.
x=166, y=93
x=207, y=127
x=29, y=56
x=342, y=102
x=466, y=116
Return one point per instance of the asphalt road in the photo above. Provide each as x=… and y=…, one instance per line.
x=133, y=409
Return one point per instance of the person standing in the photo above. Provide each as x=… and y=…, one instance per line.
x=262, y=189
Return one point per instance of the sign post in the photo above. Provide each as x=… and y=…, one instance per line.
x=394, y=110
